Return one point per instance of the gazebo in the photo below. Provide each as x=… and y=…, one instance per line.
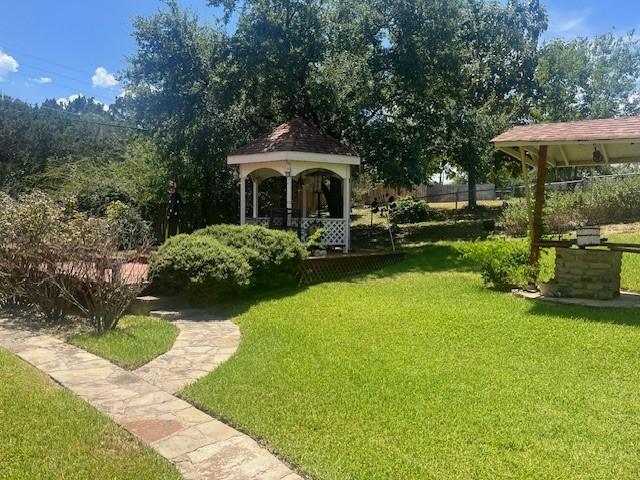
x=307, y=158
x=583, y=144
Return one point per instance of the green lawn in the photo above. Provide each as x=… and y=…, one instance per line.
x=136, y=341
x=46, y=432
x=419, y=372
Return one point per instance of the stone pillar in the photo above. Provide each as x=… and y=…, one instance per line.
x=587, y=273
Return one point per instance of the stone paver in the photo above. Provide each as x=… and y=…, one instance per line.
x=200, y=446
x=204, y=342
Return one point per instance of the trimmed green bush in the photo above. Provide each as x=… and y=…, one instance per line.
x=503, y=263
x=274, y=255
x=201, y=265
x=410, y=210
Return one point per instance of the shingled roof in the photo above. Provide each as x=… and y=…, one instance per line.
x=624, y=128
x=296, y=136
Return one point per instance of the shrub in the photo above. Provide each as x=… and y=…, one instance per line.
x=607, y=201
x=31, y=225
x=200, y=264
x=503, y=263
x=410, y=210
x=53, y=257
x=129, y=227
x=274, y=255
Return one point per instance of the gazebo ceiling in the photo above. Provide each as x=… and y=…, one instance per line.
x=295, y=140
x=576, y=144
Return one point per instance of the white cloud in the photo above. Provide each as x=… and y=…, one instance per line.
x=64, y=101
x=8, y=65
x=42, y=80
x=569, y=24
x=102, y=78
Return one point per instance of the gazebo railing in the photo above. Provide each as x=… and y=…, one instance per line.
x=335, y=228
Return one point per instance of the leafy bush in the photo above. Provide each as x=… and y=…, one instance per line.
x=31, y=226
x=200, y=264
x=274, y=255
x=129, y=227
x=607, y=201
x=410, y=210
x=503, y=263
x=53, y=257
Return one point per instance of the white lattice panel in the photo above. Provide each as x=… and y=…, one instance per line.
x=336, y=230
x=335, y=234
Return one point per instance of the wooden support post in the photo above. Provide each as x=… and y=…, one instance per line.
x=536, y=230
x=527, y=189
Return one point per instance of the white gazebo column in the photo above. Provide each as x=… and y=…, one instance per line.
x=346, y=205
x=243, y=199
x=255, y=198
x=289, y=197
x=304, y=200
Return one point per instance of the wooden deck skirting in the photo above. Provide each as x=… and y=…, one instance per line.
x=322, y=269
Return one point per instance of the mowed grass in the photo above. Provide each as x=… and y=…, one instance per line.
x=136, y=341
x=46, y=432
x=419, y=372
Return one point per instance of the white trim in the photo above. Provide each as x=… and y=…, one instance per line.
x=292, y=156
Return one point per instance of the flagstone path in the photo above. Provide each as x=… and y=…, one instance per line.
x=142, y=402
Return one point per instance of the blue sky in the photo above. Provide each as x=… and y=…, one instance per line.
x=55, y=49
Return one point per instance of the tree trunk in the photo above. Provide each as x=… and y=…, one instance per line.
x=333, y=196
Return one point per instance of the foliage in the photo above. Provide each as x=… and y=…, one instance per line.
x=29, y=261
x=410, y=210
x=136, y=341
x=503, y=263
x=200, y=264
x=314, y=241
x=129, y=227
x=33, y=138
x=273, y=255
x=179, y=86
x=53, y=257
x=437, y=368
x=55, y=434
x=603, y=202
x=588, y=78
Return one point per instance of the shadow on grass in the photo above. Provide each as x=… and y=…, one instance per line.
x=377, y=236
x=428, y=258
x=613, y=316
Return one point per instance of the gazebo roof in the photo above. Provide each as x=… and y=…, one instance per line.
x=573, y=143
x=296, y=135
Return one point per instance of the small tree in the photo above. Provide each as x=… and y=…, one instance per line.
x=30, y=225
x=54, y=258
x=101, y=280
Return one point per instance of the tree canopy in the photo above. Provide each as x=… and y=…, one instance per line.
x=412, y=85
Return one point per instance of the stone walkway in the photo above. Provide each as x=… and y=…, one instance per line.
x=200, y=446
x=204, y=342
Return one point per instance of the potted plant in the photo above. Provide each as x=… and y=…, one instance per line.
x=314, y=244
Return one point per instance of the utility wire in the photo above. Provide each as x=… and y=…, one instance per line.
x=75, y=117
x=60, y=65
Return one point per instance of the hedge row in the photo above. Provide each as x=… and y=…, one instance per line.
x=221, y=259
